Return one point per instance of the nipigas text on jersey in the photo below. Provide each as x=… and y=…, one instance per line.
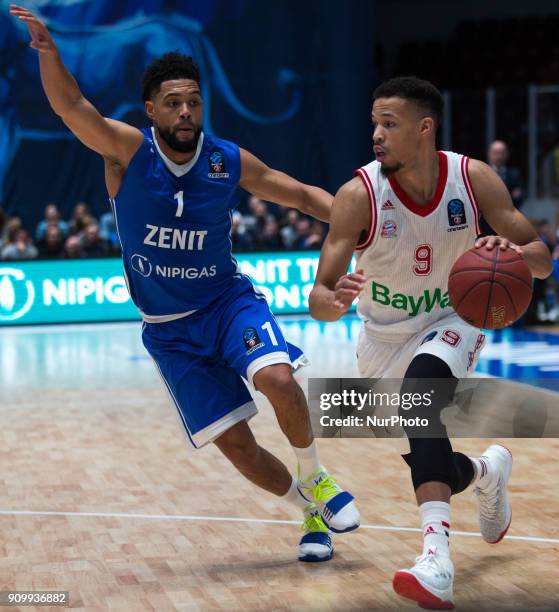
x=174, y=224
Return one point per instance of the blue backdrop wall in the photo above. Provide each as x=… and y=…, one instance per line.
x=290, y=81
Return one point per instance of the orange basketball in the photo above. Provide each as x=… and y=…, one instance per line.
x=490, y=289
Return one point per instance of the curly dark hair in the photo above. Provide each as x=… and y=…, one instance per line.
x=422, y=93
x=173, y=65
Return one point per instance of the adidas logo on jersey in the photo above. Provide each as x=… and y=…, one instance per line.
x=387, y=205
x=428, y=300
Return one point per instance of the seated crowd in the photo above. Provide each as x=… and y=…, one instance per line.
x=257, y=226
x=260, y=227
x=54, y=238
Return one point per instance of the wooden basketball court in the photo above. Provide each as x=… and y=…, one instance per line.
x=102, y=497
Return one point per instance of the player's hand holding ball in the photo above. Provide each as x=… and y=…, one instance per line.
x=490, y=286
x=489, y=242
x=348, y=287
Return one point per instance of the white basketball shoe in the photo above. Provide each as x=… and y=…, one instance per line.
x=495, y=513
x=428, y=582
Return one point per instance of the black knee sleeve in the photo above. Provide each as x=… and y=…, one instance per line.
x=431, y=461
x=431, y=457
x=461, y=473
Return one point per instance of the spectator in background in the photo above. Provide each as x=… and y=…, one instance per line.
x=241, y=240
x=497, y=158
x=72, y=248
x=259, y=215
x=269, y=239
x=52, y=217
x=52, y=245
x=12, y=224
x=84, y=222
x=555, y=309
x=309, y=236
x=289, y=230
x=80, y=218
x=19, y=246
x=317, y=234
x=3, y=221
x=108, y=231
x=92, y=245
x=303, y=229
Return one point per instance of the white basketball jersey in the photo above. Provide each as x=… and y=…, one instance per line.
x=410, y=249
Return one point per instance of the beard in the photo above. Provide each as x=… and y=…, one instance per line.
x=388, y=170
x=180, y=146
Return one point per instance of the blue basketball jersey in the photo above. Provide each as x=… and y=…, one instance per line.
x=174, y=224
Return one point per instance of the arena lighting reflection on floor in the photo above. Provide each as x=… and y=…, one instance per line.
x=112, y=353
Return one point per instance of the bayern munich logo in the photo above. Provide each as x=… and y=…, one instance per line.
x=389, y=229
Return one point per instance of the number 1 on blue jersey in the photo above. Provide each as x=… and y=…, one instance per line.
x=180, y=203
x=268, y=327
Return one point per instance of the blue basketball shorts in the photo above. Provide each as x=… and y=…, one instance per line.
x=204, y=357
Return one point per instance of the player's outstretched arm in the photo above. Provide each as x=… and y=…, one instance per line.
x=114, y=140
x=274, y=186
x=334, y=290
x=515, y=231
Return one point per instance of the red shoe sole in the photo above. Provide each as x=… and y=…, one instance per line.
x=504, y=532
x=407, y=585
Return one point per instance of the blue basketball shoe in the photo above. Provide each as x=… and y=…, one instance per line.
x=316, y=545
x=336, y=506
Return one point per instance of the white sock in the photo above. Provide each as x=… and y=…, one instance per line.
x=482, y=477
x=307, y=458
x=294, y=496
x=435, y=520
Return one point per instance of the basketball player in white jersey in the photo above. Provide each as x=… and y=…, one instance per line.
x=409, y=215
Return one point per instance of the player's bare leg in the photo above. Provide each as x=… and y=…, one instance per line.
x=336, y=506
x=266, y=471
x=432, y=491
x=255, y=463
x=276, y=382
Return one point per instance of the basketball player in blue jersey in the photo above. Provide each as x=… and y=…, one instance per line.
x=172, y=190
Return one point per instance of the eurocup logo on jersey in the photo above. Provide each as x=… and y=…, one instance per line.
x=252, y=340
x=16, y=294
x=141, y=264
x=217, y=167
x=456, y=215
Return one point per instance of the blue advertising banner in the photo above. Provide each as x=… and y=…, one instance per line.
x=95, y=290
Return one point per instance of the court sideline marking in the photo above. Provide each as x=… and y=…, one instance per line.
x=234, y=519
